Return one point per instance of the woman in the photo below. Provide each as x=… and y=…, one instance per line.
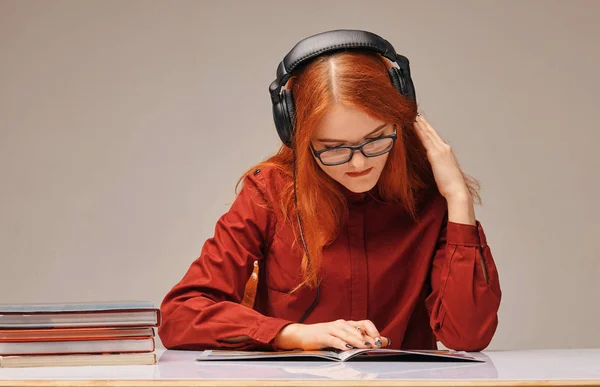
x=363, y=224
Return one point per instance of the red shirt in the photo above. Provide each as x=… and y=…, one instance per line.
x=418, y=282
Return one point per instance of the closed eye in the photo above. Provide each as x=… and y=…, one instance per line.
x=378, y=129
x=381, y=134
x=366, y=139
x=370, y=138
x=375, y=138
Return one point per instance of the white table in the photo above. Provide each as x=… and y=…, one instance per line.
x=178, y=368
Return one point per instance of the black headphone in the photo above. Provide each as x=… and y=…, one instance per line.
x=284, y=112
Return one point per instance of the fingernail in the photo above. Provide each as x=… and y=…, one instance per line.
x=378, y=342
x=349, y=346
x=367, y=343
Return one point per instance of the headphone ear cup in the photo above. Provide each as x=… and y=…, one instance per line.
x=397, y=80
x=282, y=120
x=402, y=83
x=285, y=121
x=291, y=110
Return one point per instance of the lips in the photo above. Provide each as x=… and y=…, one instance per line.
x=359, y=174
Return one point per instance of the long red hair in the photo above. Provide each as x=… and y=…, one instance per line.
x=360, y=81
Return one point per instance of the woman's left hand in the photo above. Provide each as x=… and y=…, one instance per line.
x=446, y=171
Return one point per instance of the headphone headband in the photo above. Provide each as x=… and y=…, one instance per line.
x=323, y=43
x=327, y=42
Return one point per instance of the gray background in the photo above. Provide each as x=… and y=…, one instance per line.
x=124, y=126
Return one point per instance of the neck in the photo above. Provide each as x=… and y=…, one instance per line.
x=352, y=196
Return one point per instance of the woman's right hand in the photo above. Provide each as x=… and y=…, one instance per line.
x=339, y=334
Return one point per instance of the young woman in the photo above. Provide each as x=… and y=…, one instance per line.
x=362, y=225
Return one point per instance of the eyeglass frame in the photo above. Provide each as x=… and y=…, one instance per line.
x=354, y=148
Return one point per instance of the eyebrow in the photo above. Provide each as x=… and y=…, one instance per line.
x=377, y=129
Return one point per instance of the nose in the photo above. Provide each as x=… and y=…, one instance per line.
x=358, y=161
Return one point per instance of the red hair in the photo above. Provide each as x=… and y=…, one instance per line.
x=360, y=81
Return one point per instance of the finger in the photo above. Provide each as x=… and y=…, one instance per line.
x=424, y=136
x=372, y=331
x=358, y=339
x=428, y=140
x=429, y=129
x=361, y=329
x=363, y=343
x=357, y=325
x=386, y=341
x=349, y=334
x=428, y=133
x=337, y=343
x=370, y=338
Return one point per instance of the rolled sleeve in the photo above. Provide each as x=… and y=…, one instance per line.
x=465, y=234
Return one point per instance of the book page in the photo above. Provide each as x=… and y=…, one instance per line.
x=425, y=355
x=345, y=355
x=221, y=354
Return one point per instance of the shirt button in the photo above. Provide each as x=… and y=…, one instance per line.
x=256, y=172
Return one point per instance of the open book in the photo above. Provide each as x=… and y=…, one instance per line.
x=336, y=355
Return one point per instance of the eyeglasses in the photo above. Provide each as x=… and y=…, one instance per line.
x=343, y=153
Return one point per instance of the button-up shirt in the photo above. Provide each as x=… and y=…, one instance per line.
x=418, y=281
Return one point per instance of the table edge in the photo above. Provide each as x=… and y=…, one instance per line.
x=294, y=383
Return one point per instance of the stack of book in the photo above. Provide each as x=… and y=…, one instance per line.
x=108, y=333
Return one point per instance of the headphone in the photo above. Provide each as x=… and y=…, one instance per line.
x=284, y=111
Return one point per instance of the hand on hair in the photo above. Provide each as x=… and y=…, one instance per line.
x=446, y=171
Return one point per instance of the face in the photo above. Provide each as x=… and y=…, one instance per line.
x=344, y=125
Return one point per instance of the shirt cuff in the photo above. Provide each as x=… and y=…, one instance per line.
x=268, y=329
x=465, y=234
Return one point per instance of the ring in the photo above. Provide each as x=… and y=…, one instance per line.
x=389, y=341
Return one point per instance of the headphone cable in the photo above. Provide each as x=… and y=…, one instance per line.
x=310, y=309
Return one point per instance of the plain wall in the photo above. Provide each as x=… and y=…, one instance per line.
x=124, y=126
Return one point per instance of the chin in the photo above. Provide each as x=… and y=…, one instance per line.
x=357, y=187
